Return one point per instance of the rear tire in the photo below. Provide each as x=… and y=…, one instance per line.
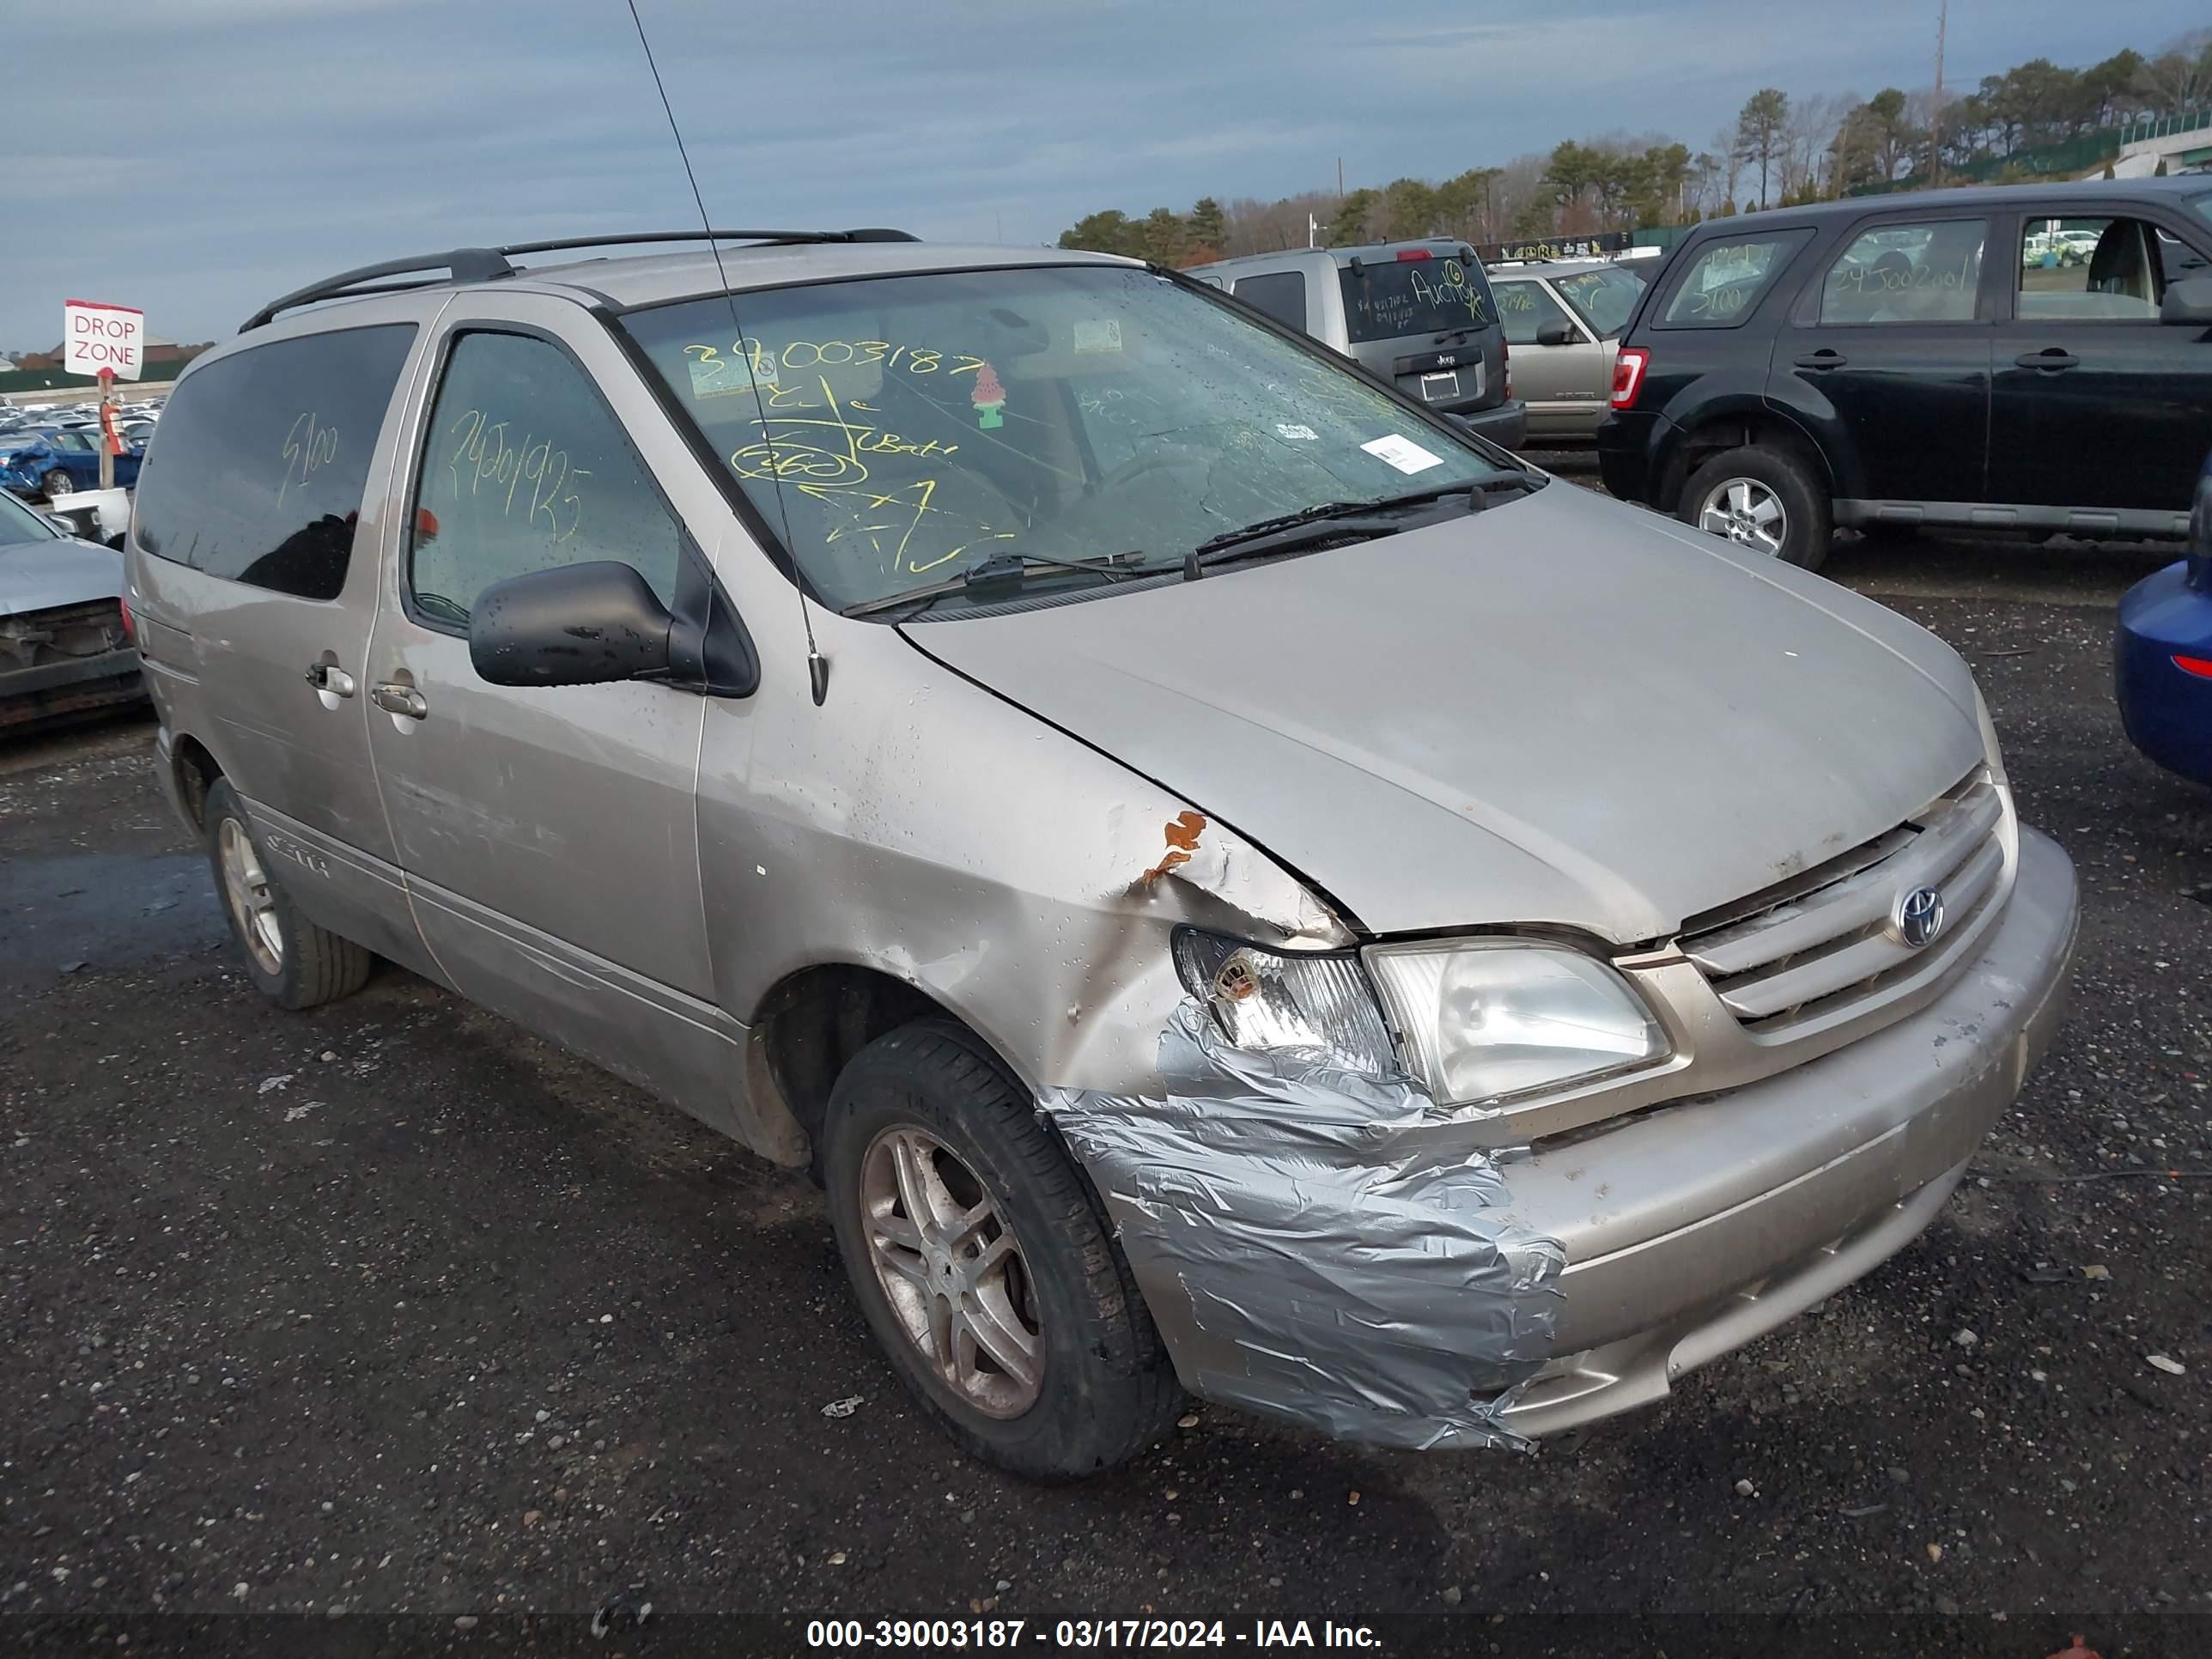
x=1730, y=496
x=1090, y=1386
x=293, y=963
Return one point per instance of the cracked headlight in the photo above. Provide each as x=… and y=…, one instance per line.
x=1320, y=1005
x=1484, y=1018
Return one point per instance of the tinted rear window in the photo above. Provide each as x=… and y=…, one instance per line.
x=1720, y=287
x=1389, y=298
x=1280, y=293
x=259, y=474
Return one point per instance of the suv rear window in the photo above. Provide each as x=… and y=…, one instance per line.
x=1386, y=299
x=259, y=474
x=1721, y=286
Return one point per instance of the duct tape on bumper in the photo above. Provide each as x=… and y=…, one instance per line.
x=1301, y=1260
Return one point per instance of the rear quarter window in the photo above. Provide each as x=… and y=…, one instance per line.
x=264, y=456
x=1280, y=294
x=1724, y=281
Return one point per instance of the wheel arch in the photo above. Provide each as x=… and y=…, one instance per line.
x=1751, y=425
x=195, y=770
x=804, y=1031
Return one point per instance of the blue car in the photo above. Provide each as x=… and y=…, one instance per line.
x=49, y=461
x=2162, y=654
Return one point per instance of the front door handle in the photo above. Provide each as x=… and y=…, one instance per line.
x=328, y=677
x=1824, y=358
x=2049, y=357
x=394, y=698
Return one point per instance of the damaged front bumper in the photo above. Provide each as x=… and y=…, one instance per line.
x=1306, y=1254
x=66, y=660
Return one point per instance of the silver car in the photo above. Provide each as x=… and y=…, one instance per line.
x=1232, y=883
x=64, y=635
x=1562, y=321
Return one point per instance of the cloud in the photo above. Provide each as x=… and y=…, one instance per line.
x=239, y=148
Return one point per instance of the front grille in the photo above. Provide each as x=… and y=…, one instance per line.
x=1823, y=946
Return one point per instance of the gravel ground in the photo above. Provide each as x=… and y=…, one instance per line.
x=390, y=1308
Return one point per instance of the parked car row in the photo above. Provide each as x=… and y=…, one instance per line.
x=49, y=462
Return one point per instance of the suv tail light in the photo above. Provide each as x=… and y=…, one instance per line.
x=1628, y=376
x=1505, y=361
x=130, y=622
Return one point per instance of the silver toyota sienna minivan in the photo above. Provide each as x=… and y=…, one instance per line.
x=1232, y=883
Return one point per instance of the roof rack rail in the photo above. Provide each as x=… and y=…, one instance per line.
x=484, y=264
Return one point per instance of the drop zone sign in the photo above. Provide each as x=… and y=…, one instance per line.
x=96, y=337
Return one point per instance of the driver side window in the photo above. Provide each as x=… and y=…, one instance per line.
x=525, y=468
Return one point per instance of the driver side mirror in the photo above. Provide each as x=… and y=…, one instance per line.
x=1553, y=334
x=582, y=624
x=2188, y=302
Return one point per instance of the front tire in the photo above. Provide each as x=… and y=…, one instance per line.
x=982, y=1263
x=56, y=484
x=1765, y=501
x=293, y=963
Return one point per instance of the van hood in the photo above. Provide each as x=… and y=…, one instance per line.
x=1560, y=710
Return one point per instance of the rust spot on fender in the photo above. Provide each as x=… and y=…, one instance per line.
x=1183, y=832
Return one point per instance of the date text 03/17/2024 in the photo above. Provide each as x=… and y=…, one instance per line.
x=1066, y=1634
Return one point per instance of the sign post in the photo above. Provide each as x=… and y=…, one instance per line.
x=108, y=443
x=109, y=343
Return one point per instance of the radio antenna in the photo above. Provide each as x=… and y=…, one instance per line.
x=817, y=667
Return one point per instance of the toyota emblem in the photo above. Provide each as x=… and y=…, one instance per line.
x=1920, y=917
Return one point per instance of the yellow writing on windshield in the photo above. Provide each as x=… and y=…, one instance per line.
x=825, y=456
x=711, y=372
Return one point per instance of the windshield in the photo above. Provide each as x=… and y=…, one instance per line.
x=1604, y=298
x=920, y=425
x=19, y=523
x=1388, y=298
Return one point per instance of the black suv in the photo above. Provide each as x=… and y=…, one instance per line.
x=2034, y=358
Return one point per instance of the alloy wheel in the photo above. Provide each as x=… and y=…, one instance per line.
x=952, y=1271
x=1748, y=513
x=246, y=884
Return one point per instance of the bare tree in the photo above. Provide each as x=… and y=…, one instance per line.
x=2180, y=78
x=1731, y=166
x=1807, y=136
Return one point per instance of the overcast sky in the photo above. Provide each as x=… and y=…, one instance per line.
x=195, y=157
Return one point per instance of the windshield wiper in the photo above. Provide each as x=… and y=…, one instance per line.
x=1004, y=568
x=1287, y=532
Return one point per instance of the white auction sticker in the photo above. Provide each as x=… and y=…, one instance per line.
x=1304, y=435
x=1104, y=334
x=1403, y=453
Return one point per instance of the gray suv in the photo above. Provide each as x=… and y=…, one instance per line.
x=1232, y=884
x=1419, y=315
